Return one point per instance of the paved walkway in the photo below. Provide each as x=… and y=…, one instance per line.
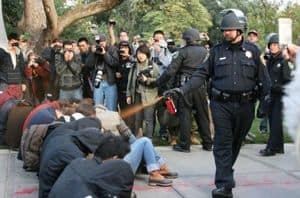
x=256, y=177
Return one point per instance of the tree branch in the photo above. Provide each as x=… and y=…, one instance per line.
x=51, y=14
x=82, y=11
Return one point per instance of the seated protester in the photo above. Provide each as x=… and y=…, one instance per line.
x=142, y=148
x=42, y=123
x=85, y=108
x=106, y=175
x=64, y=145
x=5, y=108
x=8, y=100
x=34, y=117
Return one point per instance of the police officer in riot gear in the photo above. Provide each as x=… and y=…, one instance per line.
x=280, y=74
x=236, y=73
x=182, y=67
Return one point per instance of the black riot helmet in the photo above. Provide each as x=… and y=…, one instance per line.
x=233, y=19
x=272, y=38
x=190, y=35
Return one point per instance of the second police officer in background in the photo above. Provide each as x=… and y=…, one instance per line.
x=280, y=74
x=235, y=70
x=182, y=67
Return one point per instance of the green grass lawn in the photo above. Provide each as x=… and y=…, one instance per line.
x=262, y=138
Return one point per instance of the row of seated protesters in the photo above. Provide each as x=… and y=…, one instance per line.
x=81, y=150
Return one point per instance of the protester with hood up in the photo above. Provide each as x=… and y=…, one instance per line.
x=106, y=175
x=67, y=142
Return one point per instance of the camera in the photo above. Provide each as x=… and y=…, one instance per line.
x=99, y=49
x=112, y=22
x=98, y=78
x=15, y=44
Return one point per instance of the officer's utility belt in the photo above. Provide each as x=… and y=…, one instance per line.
x=218, y=95
x=182, y=79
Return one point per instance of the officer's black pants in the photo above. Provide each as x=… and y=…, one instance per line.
x=198, y=101
x=275, y=142
x=232, y=121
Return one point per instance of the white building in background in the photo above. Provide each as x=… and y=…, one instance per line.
x=3, y=37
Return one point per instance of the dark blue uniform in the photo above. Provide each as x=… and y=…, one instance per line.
x=182, y=68
x=280, y=74
x=235, y=72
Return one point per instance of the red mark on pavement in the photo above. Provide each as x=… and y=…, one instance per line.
x=26, y=191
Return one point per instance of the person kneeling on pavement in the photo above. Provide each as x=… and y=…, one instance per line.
x=105, y=175
x=67, y=142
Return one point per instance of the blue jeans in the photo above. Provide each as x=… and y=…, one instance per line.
x=142, y=148
x=106, y=95
x=70, y=94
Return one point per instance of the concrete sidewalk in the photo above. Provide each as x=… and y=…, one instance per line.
x=256, y=177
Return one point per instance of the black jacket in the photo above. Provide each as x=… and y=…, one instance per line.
x=61, y=147
x=279, y=71
x=186, y=62
x=82, y=178
x=8, y=73
x=108, y=62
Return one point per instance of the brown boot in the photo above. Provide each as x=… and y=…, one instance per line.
x=194, y=139
x=173, y=140
x=156, y=179
x=166, y=172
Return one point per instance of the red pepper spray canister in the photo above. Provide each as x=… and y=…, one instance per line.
x=171, y=106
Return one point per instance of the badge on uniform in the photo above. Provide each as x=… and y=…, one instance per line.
x=248, y=54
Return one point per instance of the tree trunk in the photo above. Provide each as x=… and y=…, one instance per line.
x=34, y=22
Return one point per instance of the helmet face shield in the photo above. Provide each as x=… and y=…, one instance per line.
x=233, y=19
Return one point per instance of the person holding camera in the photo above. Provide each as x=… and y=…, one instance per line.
x=68, y=69
x=126, y=62
x=140, y=90
x=103, y=62
x=49, y=53
x=37, y=72
x=85, y=52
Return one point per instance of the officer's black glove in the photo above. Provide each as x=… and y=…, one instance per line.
x=263, y=107
x=173, y=93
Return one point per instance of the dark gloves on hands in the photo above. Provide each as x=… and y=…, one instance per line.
x=173, y=93
x=263, y=107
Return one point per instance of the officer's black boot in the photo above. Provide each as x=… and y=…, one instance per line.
x=181, y=148
x=222, y=193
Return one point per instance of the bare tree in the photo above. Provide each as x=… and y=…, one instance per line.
x=41, y=20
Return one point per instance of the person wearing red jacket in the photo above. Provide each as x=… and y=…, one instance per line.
x=37, y=72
